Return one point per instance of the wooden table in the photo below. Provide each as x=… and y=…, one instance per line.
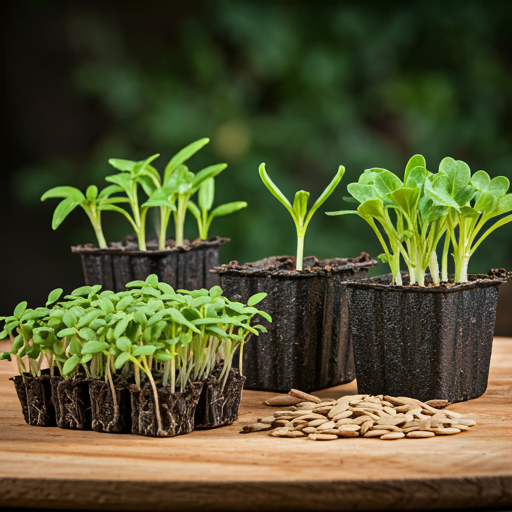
x=224, y=470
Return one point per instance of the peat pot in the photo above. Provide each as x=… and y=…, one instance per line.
x=186, y=267
x=70, y=397
x=109, y=413
x=218, y=407
x=35, y=396
x=176, y=409
x=424, y=342
x=307, y=345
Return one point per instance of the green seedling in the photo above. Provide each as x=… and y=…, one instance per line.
x=92, y=202
x=298, y=211
x=203, y=215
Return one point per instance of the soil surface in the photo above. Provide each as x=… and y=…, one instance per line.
x=474, y=280
x=285, y=266
x=129, y=245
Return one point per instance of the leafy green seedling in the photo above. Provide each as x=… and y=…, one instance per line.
x=92, y=202
x=298, y=211
x=203, y=215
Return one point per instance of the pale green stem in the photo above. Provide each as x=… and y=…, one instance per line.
x=160, y=431
x=300, y=252
x=434, y=268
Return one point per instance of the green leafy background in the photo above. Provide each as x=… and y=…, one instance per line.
x=301, y=86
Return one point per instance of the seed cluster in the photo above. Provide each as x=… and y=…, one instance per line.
x=383, y=417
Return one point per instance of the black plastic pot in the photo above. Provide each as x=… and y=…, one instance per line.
x=35, y=396
x=186, y=267
x=72, y=403
x=218, y=407
x=424, y=342
x=107, y=415
x=177, y=410
x=307, y=344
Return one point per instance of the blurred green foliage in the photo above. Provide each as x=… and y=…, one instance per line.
x=303, y=87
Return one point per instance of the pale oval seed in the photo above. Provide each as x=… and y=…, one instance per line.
x=445, y=431
x=393, y=435
x=347, y=433
x=376, y=433
x=420, y=433
x=323, y=437
x=327, y=425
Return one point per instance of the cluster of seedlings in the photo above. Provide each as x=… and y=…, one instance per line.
x=142, y=358
x=383, y=417
x=170, y=192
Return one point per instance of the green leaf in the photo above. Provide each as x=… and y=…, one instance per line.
x=386, y=258
x=215, y=291
x=121, y=326
x=82, y=291
x=5, y=355
x=121, y=360
x=163, y=356
x=437, y=190
x=124, y=303
x=228, y=208
x=300, y=204
x=87, y=334
x=121, y=164
x=200, y=301
x=92, y=192
x=85, y=359
x=144, y=350
x=386, y=183
x=363, y=193
x=70, y=364
x=206, y=194
x=469, y=212
x=140, y=318
x=69, y=319
x=183, y=155
x=106, y=305
x=67, y=332
x=327, y=192
x=406, y=199
x=20, y=309
x=265, y=315
x=342, y=212
x=64, y=192
x=136, y=284
x=180, y=319
x=373, y=208
x=94, y=347
x=89, y=317
x=165, y=288
x=216, y=331
x=54, y=296
x=504, y=205
x=64, y=208
x=204, y=174
x=256, y=299
x=414, y=161
x=274, y=190
x=124, y=344
x=458, y=176
x=75, y=347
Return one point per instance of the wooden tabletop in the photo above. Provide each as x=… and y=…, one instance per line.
x=224, y=470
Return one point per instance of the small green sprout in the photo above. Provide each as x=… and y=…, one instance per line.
x=300, y=205
x=203, y=215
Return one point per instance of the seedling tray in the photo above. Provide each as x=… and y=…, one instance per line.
x=221, y=469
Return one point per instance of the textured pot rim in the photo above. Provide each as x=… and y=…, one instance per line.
x=349, y=264
x=216, y=241
x=493, y=278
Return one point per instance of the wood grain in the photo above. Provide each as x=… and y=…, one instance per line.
x=224, y=470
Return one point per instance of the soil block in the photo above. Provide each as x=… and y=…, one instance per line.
x=105, y=415
x=424, y=342
x=176, y=409
x=72, y=404
x=218, y=407
x=35, y=396
x=307, y=345
x=187, y=267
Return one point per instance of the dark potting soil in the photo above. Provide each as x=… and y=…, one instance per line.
x=307, y=345
x=185, y=267
x=177, y=410
x=285, y=266
x=424, y=342
x=218, y=407
x=34, y=394
x=72, y=404
x=107, y=416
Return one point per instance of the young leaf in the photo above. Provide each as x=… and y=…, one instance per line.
x=124, y=344
x=183, y=155
x=87, y=334
x=67, y=332
x=228, y=208
x=121, y=359
x=64, y=208
x=300, y=204
x=144, y=350
x=20, y=309
x=206, y=194
x=54, y=296
x=274, y=190
x=414, y=161
x=70, y=364
x=256, y=299
x=327, y=192
x=64, y=192
x=92, y=192
x=93, y=347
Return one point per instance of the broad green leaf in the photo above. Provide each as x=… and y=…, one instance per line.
x=161, y=198
x=458, y=176
x=386, y=183
x=69, y=319
x=406, y=199
x=124, y=303
x=215, y=291
x=416, y=178
x=75, y=347
x=20, y=309
x=106, y=305
x=180, y=319
x=5, y=355
x=64, y=208
x=480, y=180
x=265, y=315
x=121, y=164
x=89, y=317
x=504, y=205
x=124, y=344
x=85, y=359
x=54, y=296
x=165, y=288
x=228, y=208
x=414, y=161
x=136, y=284
x=70, y=364
x=94, y=347
x=80, y=292
x=144, y=350
x=206, y=194
x=64, y=192
x=469, y=212
x=372, y=208
x=108, y=191
x=17, y=344
x=87, y=334
x=121, y=326
x=363, y=192
x=67, y=332
x=204, y=174
x=216, y=331
x=437, y=189
x=200, y=301
x=256, y=298
x=183, y=155
x=121, y=359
